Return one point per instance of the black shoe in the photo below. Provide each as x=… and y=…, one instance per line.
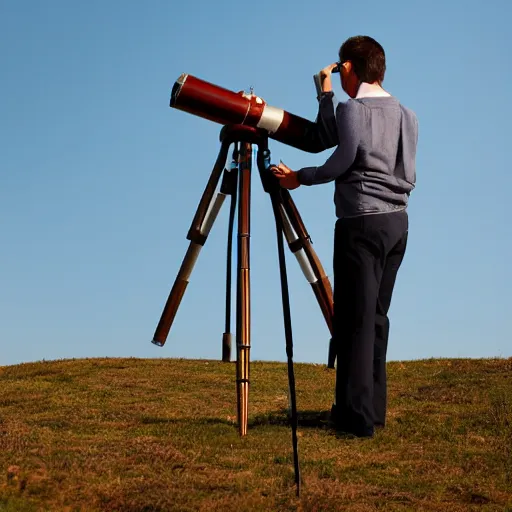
x=348, y=431
x=346, y=428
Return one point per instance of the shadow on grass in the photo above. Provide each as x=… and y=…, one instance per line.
x=154, y=420
x=305, y=419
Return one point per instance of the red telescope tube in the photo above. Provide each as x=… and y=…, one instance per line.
x=223, y=106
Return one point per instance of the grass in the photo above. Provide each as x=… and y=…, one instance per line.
x=155, y=435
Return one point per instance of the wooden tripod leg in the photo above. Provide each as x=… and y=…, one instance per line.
x=204, y=218
x=243, y=317
x=300, y=244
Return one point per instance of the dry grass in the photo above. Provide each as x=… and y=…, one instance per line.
x=137, y=435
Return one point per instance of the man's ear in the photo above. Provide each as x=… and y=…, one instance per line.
x=347, y=65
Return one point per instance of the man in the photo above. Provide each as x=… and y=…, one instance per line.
x=373, y=167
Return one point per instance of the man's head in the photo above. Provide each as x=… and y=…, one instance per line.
x=362, y=59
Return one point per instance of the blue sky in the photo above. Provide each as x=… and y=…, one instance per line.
x=100, y=179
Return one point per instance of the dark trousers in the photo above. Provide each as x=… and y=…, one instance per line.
x=368, y=251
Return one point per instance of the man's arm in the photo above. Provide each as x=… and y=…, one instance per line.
x=325, y=123
x=325, y=131
x=349, y=135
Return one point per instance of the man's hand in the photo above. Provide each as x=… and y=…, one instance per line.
x=325, y=77
x=287, y=178
x=327, y=71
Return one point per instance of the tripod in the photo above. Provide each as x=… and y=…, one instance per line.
x=237, y=181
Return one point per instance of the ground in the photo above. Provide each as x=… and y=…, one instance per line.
x=147, y=435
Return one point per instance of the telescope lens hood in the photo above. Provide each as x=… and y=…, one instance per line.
x=176, y=89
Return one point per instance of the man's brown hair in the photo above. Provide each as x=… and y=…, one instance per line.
x=367, y=57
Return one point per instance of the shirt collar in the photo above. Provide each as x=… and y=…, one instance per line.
x=367, y=90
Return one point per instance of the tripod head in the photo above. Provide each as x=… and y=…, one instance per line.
x=220, y=105
x=259, y=137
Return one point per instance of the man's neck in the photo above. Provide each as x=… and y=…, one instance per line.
x=367, y=90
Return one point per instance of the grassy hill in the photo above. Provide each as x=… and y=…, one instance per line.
x=139, y=435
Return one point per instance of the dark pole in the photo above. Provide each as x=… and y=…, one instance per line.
x=271, y=186
x=229, y=185
x=289, y=339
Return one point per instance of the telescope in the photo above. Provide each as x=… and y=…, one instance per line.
x=204, y=99
x=247, y=121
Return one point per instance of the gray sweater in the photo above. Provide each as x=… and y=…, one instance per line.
x=374, y=163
